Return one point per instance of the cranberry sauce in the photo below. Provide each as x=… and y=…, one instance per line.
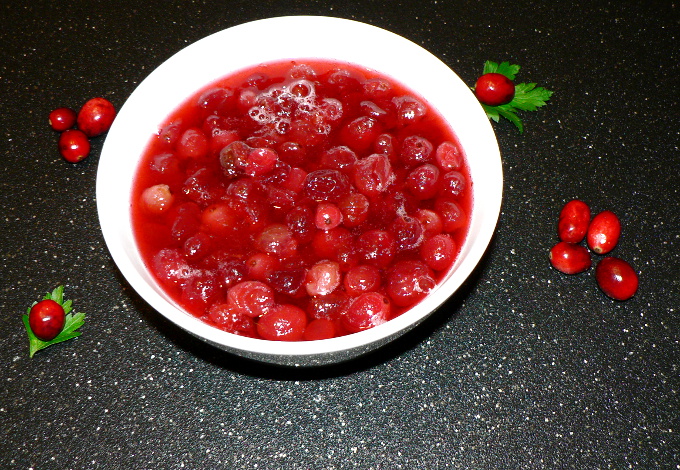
x=301, y=201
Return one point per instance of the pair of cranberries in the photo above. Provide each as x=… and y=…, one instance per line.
x=615, y=276
x=93, y=119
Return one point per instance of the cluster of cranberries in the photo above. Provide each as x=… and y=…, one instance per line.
x=93, y=119
x=615, y=276
x=302, y=202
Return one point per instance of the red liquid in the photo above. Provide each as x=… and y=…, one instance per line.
x=317, y=185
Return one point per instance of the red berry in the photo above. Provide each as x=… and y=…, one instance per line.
x=354, y=208
x=362, y=278
x=409, y=281
x=449, y=156
x=603, y=232
x=328, y=216
x=376, y=247
x=229, y=319
x=494, y=89
x=74, y=145
x=616, y=278
x=439, y=251
x=96, y=116
x=62, y=119
x=573, y=222
x=251, y=298
x=46, y=319
x=366, y=311
x=373, y=174
x=192, y=144
x=323, y=278
x=320, y=329
x=283, y=323
x=569, y=258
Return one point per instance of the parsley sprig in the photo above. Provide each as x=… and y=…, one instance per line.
x=528, y=96
x=73, y=321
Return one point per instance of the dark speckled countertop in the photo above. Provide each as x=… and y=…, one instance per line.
x=524, y=368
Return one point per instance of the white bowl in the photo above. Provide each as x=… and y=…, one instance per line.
x=274, y=39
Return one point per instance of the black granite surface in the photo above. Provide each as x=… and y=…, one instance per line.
x=525, y=368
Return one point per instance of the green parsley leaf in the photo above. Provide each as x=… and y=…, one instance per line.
x=528, y=97
x=504, y=68
x=72, y=322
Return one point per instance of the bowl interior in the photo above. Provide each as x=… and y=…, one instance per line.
x=299, y=37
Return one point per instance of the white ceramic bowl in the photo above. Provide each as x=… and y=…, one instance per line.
x=288, y=38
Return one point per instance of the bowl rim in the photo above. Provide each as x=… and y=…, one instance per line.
x=117, y=236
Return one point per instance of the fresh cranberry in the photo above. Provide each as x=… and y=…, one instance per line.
x=569, y=258
x=283, y=322
x=292, y=152
x=616, y=278
x=603, y=232
x=251, y=298
x=219, y=218
x=386, y=145
x=46, y=319
x=62, y=119
x=367, y=311
x=74, y=145
x=494, y=89
x=96, y=116
x=573, y=221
